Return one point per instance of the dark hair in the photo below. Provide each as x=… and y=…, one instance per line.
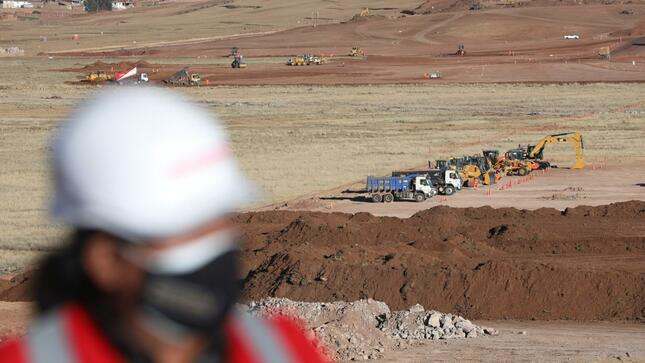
x=61, y=277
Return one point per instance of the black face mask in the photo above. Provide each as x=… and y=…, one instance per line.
x=175, y=305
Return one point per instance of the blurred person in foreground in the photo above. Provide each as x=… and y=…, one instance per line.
x=148, y=183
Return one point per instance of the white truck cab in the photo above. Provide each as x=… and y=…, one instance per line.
x=452, y=177
x=424, y=185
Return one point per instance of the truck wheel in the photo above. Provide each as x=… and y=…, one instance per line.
x=419, y=197
x=388, y=198
x=522, y=172
x=376, y=198
x=449, y=190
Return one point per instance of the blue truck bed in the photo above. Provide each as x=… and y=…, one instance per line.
x=389, y=184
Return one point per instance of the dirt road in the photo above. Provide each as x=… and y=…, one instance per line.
x=556, y=341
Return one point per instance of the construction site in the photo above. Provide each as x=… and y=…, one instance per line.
x=440, y=180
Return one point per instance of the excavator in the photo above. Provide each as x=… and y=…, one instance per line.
x=535, y=152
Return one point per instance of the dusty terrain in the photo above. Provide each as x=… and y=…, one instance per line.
x=307, y=134
x=600, y=183
x=502, y=45
x=553, y=341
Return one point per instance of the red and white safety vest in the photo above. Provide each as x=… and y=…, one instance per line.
x=68, y=335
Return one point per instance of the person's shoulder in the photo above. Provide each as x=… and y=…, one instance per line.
x=11, y=351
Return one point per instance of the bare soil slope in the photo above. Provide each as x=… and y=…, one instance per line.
x=585, y=263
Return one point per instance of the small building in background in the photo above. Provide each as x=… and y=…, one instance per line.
x=15, y=4
x=122, y=5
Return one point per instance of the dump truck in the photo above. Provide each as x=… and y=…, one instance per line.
x=183, y=78
x=313, y=59
x=446, y=181
x=389, y=189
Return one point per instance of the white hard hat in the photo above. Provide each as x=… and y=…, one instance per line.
x=143, y=164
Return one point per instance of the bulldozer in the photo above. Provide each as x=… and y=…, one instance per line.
x=238, y=61
x=183, y=78
x=296, y=61
x=535, y=153
x=356, y=52
x=604, y=52
x=514, y=162
x=99, y=76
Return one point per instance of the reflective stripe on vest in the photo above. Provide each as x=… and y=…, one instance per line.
x=48, y=341
x=262, y=338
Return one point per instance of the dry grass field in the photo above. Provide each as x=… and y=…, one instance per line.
x=179, y=20
x=295, y=140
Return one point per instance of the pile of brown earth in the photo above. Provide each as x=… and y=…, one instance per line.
x=584, y=263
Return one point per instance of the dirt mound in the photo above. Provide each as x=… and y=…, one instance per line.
x=364, y=18
x=111, y=67
x=365, y=329
x=584, y=263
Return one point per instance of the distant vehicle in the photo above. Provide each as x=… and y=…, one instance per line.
x=296, y=61
x=446, y=181
x=388, y=189
x=572, y=36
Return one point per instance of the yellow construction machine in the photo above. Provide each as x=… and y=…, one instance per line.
x=471, y=168
x=535, y=152
x=297, y=60
x=99, y=76
x=356, y=52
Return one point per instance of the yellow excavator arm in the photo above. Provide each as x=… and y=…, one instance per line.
x=575, y=138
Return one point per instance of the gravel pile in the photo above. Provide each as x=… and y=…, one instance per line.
x=365, y=329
